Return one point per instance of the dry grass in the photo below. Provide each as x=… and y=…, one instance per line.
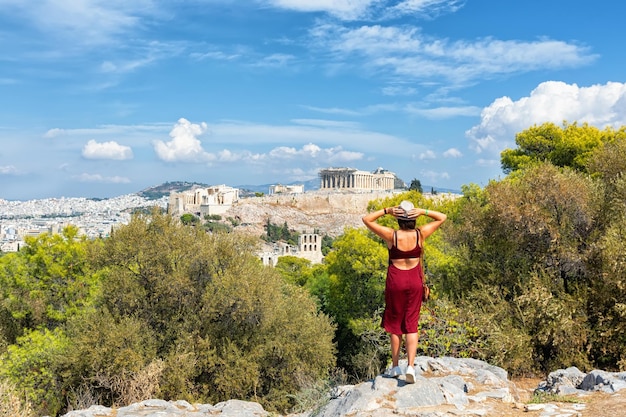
x=12, y=403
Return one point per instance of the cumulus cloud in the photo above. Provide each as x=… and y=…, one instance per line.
x=184, y=146
x=84, y=177
x=552, y=101
x=106, y=150
x=452, y=153
x=427, y=155
x=228, y=156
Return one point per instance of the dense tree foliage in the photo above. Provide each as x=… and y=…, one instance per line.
x=567, y=146
x=416, y=185
x=521, y=264
x=181, y=314
x=537, y=264
x=275, y=233
x=45, y=283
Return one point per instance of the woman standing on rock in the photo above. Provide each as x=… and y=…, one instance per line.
x=404, y=283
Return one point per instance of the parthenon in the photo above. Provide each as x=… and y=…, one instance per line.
x=354, y=179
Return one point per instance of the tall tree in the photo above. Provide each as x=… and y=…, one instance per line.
x=204, y=299
x=524, y=249
x=416, y=185
x=567, y=146
x=48, y=280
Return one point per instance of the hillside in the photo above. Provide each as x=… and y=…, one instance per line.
x=328, y=213
x=162, y=190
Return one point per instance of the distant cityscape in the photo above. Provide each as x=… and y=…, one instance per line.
x=98, y=217
x=94, y=218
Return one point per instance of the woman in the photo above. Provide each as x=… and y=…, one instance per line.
x=404, y=283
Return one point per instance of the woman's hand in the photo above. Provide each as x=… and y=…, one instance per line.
x=415, y=213
x=396, y=211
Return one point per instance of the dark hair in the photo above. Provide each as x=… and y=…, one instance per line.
x=406, y=224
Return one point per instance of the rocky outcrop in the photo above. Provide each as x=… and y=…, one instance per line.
x=329, y=213
x=160, y=408
x=444, y=387
x=572, y=381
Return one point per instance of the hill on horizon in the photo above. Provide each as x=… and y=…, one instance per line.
x=248, y=190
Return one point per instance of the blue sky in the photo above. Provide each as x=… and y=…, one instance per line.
x=101, y=98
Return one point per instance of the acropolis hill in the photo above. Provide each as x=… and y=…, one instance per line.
x=327, y=212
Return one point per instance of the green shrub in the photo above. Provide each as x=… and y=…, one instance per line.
x=112, y=360
x=198, y=308
x=34, y=366
x=444, y=332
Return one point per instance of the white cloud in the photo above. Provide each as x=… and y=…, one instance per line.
x=326, y=123
x=92, y=22
x=398, y=90
x=106, y=150
x=84, y=177
x=552, y=101
x=8, y=170
x=338, y=155
x=184, y=146
x=434, y=175
x=216, y=55
x=427, y=155
x=275, y=61
x=370, y=9
x=444, y=112
x=53, y=133
x=228, y=156
x=311, y=149
x=343, y=9
x=452, y=153
x=427, y=7
x=408, y=53
x=333, y=110
x=108, y=130
x=324, y=133
x=313, y=153
x=487, y=162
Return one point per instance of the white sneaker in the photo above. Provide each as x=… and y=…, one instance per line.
x=410, y=375
x=394, y=372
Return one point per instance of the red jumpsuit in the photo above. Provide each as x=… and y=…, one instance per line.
x=403, y=292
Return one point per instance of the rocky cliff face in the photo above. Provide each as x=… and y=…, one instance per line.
x=330, y=213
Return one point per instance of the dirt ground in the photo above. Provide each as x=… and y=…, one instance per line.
x=597, y=404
